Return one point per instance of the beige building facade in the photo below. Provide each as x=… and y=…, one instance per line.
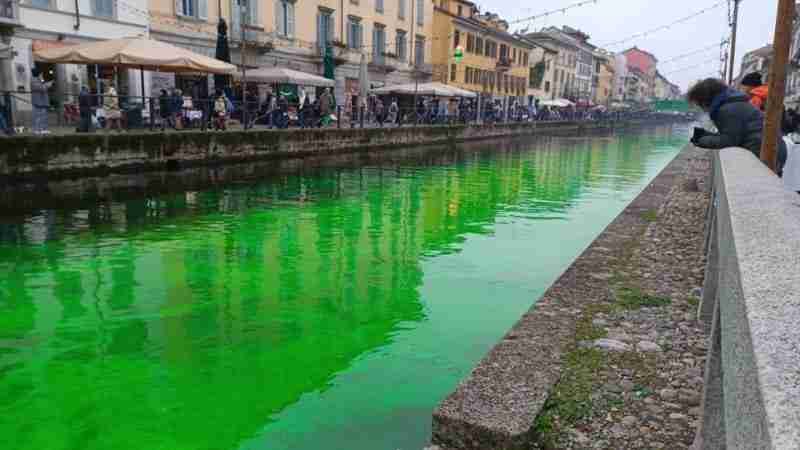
x=394, y=35
x=542, y=76
x=565, y=64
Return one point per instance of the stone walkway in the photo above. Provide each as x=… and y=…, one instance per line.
x=644, y=347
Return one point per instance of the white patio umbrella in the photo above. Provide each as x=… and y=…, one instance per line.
x=283, y=75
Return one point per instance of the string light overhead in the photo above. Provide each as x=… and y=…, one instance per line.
x=701, y=64
x=694, y=52
x=667, y=26
x=554, y=11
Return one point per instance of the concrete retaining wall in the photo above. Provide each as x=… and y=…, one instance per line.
x=85, y=154
x=752, y=301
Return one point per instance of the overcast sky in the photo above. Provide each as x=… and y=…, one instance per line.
x=612, y=20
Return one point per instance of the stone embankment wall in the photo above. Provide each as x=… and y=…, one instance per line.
x=752, y=303
x=602, y=359
x=89, y=154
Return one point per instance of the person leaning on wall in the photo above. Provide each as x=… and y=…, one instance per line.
x=738, y=122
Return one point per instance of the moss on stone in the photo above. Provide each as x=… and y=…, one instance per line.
x=571, y=398
x=635, y=298
x=651, y=215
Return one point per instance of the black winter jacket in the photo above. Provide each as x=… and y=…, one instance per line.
x=739, y=124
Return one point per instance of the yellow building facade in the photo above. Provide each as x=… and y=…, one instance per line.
x=394, y=35
x=606, y=74
x=494, y=63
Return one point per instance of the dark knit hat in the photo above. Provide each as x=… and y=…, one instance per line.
x=752, y=79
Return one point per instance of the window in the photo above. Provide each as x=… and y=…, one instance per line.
x=105, y=8
x=456, y=38
x=453, y=72
x=547, y=86
x=38, y=3
x=460, y=11
x=250, y=16
x=401, y=9
x=421, y=13
x=468, y=75
x=379, y=6
x=378, y=42
x=419, y=51
x=470, y=43
x=401, y=41
x=284, y=18
x=478, y=45
x=355, y=32
x=324, y=27
x=514, y=55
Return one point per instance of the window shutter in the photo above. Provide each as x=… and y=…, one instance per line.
x=179, y=7
x=320, y=40
x=236, y=21
x=290, y=19
x=202, y=9
x=401, y=9
x=421, y=12
x=329, y=18
x=278, y=20
x=255, y=18
x=350, y=41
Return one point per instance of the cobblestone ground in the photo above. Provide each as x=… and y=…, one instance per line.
x=647, y=387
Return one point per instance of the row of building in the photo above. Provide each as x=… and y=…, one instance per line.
x=404, y=40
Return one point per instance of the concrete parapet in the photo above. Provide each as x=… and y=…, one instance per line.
x=30, y=157
x=752, y=397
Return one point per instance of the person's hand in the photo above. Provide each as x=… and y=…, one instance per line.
x=698, y=134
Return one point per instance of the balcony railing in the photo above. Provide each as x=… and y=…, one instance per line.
x=384, y=62
x=504, y=64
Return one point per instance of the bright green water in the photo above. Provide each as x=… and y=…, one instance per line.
x=323, y=311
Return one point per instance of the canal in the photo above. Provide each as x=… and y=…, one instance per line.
x=323, y=309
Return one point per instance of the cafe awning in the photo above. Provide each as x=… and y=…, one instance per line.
x=135, y=53
x=282, y=75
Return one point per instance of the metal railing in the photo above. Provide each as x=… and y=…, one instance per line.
x=99, y=112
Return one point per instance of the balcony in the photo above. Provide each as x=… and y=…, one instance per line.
x=384, y=62
x=342, y=54
x=9, y=14
x=503, y=65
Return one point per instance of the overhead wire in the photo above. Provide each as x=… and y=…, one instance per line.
x=551, y=12
x=666, y=26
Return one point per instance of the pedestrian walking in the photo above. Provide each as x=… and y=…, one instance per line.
x=325, y=105
x=220, y=111
x=40, y=99
x=394, y=110
x=84, y=110
x=738, y=122
x=112, y=112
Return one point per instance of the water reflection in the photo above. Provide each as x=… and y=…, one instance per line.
x=189, y=319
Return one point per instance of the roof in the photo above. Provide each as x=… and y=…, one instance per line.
x=635, y=48
x=562, y=41
x=539, y=43
x=763, y=51
x=480, y=26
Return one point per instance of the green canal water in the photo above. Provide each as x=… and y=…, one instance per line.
x=326, y=309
